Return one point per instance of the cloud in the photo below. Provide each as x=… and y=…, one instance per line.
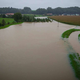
x=34, y=4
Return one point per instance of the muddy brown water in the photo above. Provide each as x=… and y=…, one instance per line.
x=75, y=42
x=34, y=51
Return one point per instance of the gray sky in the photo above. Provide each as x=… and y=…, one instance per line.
x=34, y=4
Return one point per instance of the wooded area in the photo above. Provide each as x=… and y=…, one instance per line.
x=28, y=10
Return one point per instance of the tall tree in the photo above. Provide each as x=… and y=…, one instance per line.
x=17, y=17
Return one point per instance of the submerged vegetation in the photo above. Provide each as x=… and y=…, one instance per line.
x=74, y=57
x=73, y=20
x=75, y=62
x=79, y=37
x=67, y=33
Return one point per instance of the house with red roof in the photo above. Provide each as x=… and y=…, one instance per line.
x=9, y=14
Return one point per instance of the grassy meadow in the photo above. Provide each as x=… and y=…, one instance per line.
x=73, y=20
x=10, y=20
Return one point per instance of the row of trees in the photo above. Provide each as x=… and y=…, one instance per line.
x=25, y=18
x=27, y=10
x=28, y=18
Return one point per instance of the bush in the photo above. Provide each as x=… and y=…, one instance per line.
x=3, y=22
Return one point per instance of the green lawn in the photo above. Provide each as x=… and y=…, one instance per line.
x=7, y=20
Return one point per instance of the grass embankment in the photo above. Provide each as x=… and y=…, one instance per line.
x=2, y=27
x=74, y=57
x=72, y=20
x=11, y=22
x=67, y=33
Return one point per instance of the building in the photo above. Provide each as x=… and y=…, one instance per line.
x=9, y=14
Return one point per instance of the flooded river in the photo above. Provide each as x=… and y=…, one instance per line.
x=34, y=51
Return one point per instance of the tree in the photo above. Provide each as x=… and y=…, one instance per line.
x=49, y=10
x=3, y=22
x=27, y=10
x=17, y=17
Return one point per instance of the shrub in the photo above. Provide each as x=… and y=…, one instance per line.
x=3, y=22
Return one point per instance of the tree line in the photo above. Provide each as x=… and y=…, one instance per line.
x=17, y=17
x=28, y=10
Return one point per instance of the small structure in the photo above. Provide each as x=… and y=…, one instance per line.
x=49, y=14
x=9, y=14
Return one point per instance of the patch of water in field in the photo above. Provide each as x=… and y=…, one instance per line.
x=34, y=51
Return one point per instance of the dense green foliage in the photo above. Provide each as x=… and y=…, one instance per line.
x=31, y=18
x=28, y=18
x=17, y=17
x=67, y=33
x=56, y=11
x=75, y=62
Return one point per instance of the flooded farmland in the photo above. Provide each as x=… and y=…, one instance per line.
x=35, y=51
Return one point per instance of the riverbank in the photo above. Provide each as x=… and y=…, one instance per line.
x=67, y=33
x=2, y=27
x=73, y=56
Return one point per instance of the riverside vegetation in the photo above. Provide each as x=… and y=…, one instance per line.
x=18, y=18
x=74, y=57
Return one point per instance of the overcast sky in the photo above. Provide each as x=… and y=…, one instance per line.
x=34, y=4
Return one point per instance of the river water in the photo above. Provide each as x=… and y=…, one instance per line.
x=34, y=51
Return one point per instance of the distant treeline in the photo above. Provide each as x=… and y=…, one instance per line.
x=27, y=10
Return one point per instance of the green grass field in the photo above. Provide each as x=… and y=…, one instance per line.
x=10, y=20
x=7, y=20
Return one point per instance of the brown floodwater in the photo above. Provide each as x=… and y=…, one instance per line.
x=74, y=41
x=34, y=51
